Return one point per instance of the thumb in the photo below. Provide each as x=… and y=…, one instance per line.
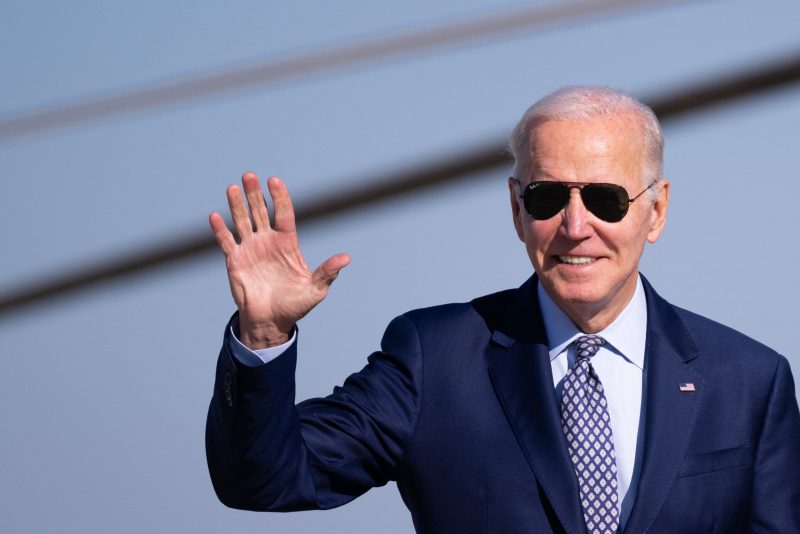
x=327, y=272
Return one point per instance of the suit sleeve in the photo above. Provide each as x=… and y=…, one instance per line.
x=776, y=494
x=266, y=453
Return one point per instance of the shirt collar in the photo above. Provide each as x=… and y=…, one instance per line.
x=626, y=335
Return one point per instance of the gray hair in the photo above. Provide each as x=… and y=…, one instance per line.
x=581, y=103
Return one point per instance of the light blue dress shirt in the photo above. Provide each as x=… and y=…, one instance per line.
x=254, y=358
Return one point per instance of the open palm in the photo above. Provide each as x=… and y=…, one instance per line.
x=270, y=281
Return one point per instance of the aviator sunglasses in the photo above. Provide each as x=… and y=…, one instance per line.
x=608, y=202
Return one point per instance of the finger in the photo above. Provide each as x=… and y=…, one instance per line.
x=327, y=272
x=223, y=236
x=241, y=218
x=284, y=211
x=255, y=199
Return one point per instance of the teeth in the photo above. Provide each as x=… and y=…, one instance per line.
x=576, y=260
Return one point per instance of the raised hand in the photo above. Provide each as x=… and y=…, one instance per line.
x=270, y=280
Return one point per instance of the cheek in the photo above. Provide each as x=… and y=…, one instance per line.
x=538, y=238
x=537, y=235
x=633, y=246
x=633, y=235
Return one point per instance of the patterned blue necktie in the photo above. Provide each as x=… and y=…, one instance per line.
x=587, y=427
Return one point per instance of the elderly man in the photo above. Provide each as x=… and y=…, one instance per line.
x=579, y=402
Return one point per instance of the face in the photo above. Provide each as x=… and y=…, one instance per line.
x=586, y=265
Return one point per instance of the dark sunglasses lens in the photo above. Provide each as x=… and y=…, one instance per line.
x=607, y=201
x=545, y=199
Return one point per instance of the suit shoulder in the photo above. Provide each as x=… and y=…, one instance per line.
x=460, y=315
x=719, y=338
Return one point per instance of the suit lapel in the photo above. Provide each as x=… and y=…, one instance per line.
x=669, y=412
x=519, y=367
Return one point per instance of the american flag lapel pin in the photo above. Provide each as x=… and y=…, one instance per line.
x=686, y=387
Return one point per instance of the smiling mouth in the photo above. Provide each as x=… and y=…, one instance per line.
x=576, y=260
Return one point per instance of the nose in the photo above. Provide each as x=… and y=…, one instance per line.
x=575, y=223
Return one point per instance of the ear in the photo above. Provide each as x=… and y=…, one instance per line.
x=516, y=211
x=659, y=213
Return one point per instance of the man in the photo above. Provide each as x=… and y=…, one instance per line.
x=579, y=402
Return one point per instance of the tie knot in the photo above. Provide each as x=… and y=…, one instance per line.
x=588, y=345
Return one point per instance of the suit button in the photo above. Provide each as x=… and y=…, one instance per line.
x=228, y=397
x=228, y=379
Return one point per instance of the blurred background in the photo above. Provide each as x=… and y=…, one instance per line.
x=122, y=123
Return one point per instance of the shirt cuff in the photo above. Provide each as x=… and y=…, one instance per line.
x=255, y=358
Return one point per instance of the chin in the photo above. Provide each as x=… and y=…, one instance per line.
x=579, y=297
x=585, y=292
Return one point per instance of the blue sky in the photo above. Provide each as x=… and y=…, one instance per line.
x=105, y=392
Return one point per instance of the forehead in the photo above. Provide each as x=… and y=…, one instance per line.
x=589, y=149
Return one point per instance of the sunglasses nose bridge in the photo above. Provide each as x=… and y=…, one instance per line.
x=575, y=200
x=575, y=215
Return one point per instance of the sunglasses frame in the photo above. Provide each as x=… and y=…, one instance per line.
x=624, y=201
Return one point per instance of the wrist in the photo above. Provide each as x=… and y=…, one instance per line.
x=257, y=336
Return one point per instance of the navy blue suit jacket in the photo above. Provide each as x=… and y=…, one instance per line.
x=459, y=408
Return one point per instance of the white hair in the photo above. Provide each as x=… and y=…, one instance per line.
x=576, y=103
